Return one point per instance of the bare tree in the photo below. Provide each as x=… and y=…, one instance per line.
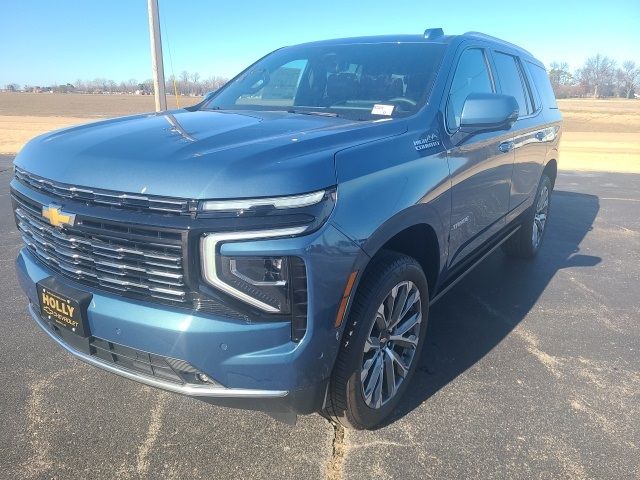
x=148, y=85
x=598, y=75
x=170, y=81
x=559, y=75
x=189, y=84
x=184, y=82
x=214, y=83
x=628, y=78
x=132, y=85
x=196, y=86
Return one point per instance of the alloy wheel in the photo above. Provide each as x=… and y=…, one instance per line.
x=540, y=217
x=391, y=345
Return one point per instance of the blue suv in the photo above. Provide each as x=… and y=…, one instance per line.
x=277, y=246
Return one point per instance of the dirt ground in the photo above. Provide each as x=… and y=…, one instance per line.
x=82, y=106
x=599, y=135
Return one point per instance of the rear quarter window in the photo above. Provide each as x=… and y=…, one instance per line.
x=542, y=84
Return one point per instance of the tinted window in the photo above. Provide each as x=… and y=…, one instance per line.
x=512, y=82
x=472, y=76
x=541, y=81
x=346, y=80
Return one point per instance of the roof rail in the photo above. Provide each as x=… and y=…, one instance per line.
x=431, y=33
x=496, y=39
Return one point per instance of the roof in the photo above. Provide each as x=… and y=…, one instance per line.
x=442, y=39
x=383, y=39
x=496, y=40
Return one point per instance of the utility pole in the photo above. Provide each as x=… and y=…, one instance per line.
x=156, y=56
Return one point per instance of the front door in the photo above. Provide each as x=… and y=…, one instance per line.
x=480, y=166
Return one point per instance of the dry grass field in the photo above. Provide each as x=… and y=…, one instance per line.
x=25, y=115
x=599, y=135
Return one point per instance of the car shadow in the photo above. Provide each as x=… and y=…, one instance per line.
x=488, y=304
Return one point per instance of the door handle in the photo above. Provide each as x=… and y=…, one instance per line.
x=540, y=135
x=505, y=147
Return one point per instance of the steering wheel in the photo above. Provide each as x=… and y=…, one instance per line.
x=401, y=100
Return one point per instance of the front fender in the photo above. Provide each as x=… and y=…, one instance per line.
x=388, y=186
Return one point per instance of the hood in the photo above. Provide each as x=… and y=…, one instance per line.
x=201, y=154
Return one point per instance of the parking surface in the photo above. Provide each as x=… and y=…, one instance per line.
x=531, y=370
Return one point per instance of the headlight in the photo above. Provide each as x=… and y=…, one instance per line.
x=293, y=201
x=265, y=279
x=264, y=282
x=311, y=209
x=273, y=284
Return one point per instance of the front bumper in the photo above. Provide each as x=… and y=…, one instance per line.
x=185, y=388
x=249, y=360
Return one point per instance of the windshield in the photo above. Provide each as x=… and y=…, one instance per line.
x=361, y=81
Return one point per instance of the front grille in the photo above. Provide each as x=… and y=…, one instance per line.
x=134, y=261
x=93, y=196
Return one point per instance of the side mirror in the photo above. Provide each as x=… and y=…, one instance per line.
x=488, y=111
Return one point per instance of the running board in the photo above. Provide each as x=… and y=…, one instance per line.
x=442, y=292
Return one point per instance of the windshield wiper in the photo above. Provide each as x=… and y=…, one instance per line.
x=312, y=112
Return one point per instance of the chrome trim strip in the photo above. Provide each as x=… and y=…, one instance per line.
x=190, y=390
x=209, y=251
x=179, y=206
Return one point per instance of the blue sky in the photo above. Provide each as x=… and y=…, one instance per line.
x=45, y=42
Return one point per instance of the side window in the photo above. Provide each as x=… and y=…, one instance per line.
x=512, y=81
x=541, y=80
x=472, y=76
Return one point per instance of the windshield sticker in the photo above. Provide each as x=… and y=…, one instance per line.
x=431, y=140
x=379, y=109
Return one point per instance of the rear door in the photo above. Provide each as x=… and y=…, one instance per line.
x=480, y=166
x=529, y=133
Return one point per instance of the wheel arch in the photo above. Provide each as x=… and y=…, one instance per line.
x=418, y=232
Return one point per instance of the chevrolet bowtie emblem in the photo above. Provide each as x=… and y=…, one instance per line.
x=57, y=217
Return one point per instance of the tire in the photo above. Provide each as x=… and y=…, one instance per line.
x=526, y=242
x=347, y=402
